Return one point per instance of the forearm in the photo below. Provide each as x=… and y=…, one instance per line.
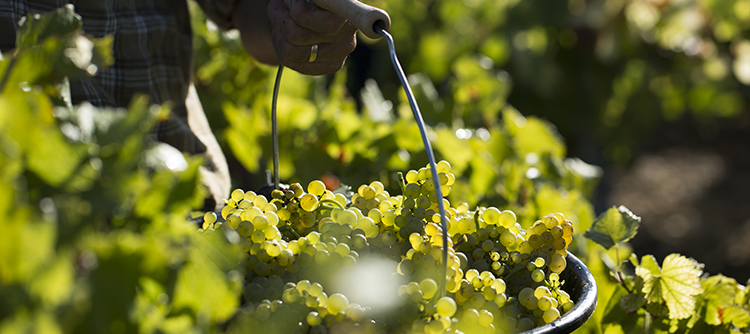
x=250, y=18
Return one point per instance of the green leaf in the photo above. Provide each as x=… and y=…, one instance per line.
x=719, y=292
x=34, y=29
x=675, y=285
x=202, y=284
x=737, y=316
x=613, y=226
x=632, y=302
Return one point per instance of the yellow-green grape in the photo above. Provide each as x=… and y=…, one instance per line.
x=557, y=264
x=308, y=202
x=551, y=314
x=244, y=204
x=429, y=287
x=316, y=187
x=486, y=318
x=355, y=312
x=567, y=306
x=273, y=218
x=342, y=249
x=542, y=291
x=260, y=201
x=272, y=232
x=284, y=214
x=412, y=190
x=286, y=257
x=273, y=248
x=539, y=262
x=337, y=303
x=367, y=225
x=388, y=217
x=378, y=186
x=249, y=195
x=489, y=293
x=525, y=293
x=567, y=229
x=234, y=220
x=500, y=299
x=508, y=239
x=446, y=306
x=375, y=214
x=368, y=192
x=423, y=202
x=488, y=245
x=537, y=275
x=237, y=195
x=471, y=316
x=260, y=222
x=443, y=166
x=245, y=229
x=411, y=176
x=258, y=237
x=550, y=221
x=313, y=319
x=507, y=219
x=347, y=217
x=562, y=297
x=209, y=217
x=544, y=303
x=262, y=269
x=525, y=324
x=491, y=216
x=557, y=232
x=434, y=327
x=313, y=237
x=225, y=211
x=341, y=199
x=250, y=213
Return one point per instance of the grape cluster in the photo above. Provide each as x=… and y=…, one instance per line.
x=498, y=275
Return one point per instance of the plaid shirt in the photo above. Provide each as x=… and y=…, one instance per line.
x=153, y=53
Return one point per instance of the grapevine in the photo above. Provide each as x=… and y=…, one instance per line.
x=499, y=277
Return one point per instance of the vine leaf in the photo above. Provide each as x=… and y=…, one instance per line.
x=676, y=284
x=613, y=226
x=719, y=292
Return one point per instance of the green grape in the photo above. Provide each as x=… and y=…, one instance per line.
x=489, y=293
x=508, y=239
x=308, y=202
x=557, y=263
x=550, y=221
x=539, y=262
x=567, y=229
x=262, y=269
x=537, y=275
x=486, y=318
x=355, y=312
x=525, y=324
x=501, y=299
x=412, y=190
x=260, y=201
x=313, y=319
x=375, y=214
x=257, y=237
x=491, y=216
x=507, y=219
x=316, y=188
x=272, y=232
x=446, y=306
x=544, y=303
x=273, y=218
x=234, y=220
x=367, y=192
x=347, y=217
x=443, y=166
x=260, y=222
x=209, y=217
x=428, y=287
x=367, y=225
x=423, y=202
x=470, y=316
x=237, y=195
x=245, y=229
x=551, y=314
x=342, y=249
x=557, y=232
x=488, y=245
x=337, y=303
x=307, y=219
x=286, y=257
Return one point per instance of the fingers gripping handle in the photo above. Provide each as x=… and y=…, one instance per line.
x=364, y=17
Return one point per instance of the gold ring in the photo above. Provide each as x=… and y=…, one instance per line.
x=313, y=53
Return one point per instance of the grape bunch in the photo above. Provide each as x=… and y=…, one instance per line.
x=498, y=276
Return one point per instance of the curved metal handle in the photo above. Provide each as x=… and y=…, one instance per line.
x=364, y=17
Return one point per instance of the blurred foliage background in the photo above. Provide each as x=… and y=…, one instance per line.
x=524, y=98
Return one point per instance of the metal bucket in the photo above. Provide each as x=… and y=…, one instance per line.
x=581, y=286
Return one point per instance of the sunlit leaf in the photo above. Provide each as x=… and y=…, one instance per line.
x=613, y=226
x=675, y=285
x=719, y=292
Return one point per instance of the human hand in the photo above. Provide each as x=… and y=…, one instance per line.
x=297, y=26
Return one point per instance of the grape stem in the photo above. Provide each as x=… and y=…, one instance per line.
x=287, y=228
x=329, y=201
x=517, y=270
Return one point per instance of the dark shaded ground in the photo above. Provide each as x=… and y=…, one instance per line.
x=692, y=191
